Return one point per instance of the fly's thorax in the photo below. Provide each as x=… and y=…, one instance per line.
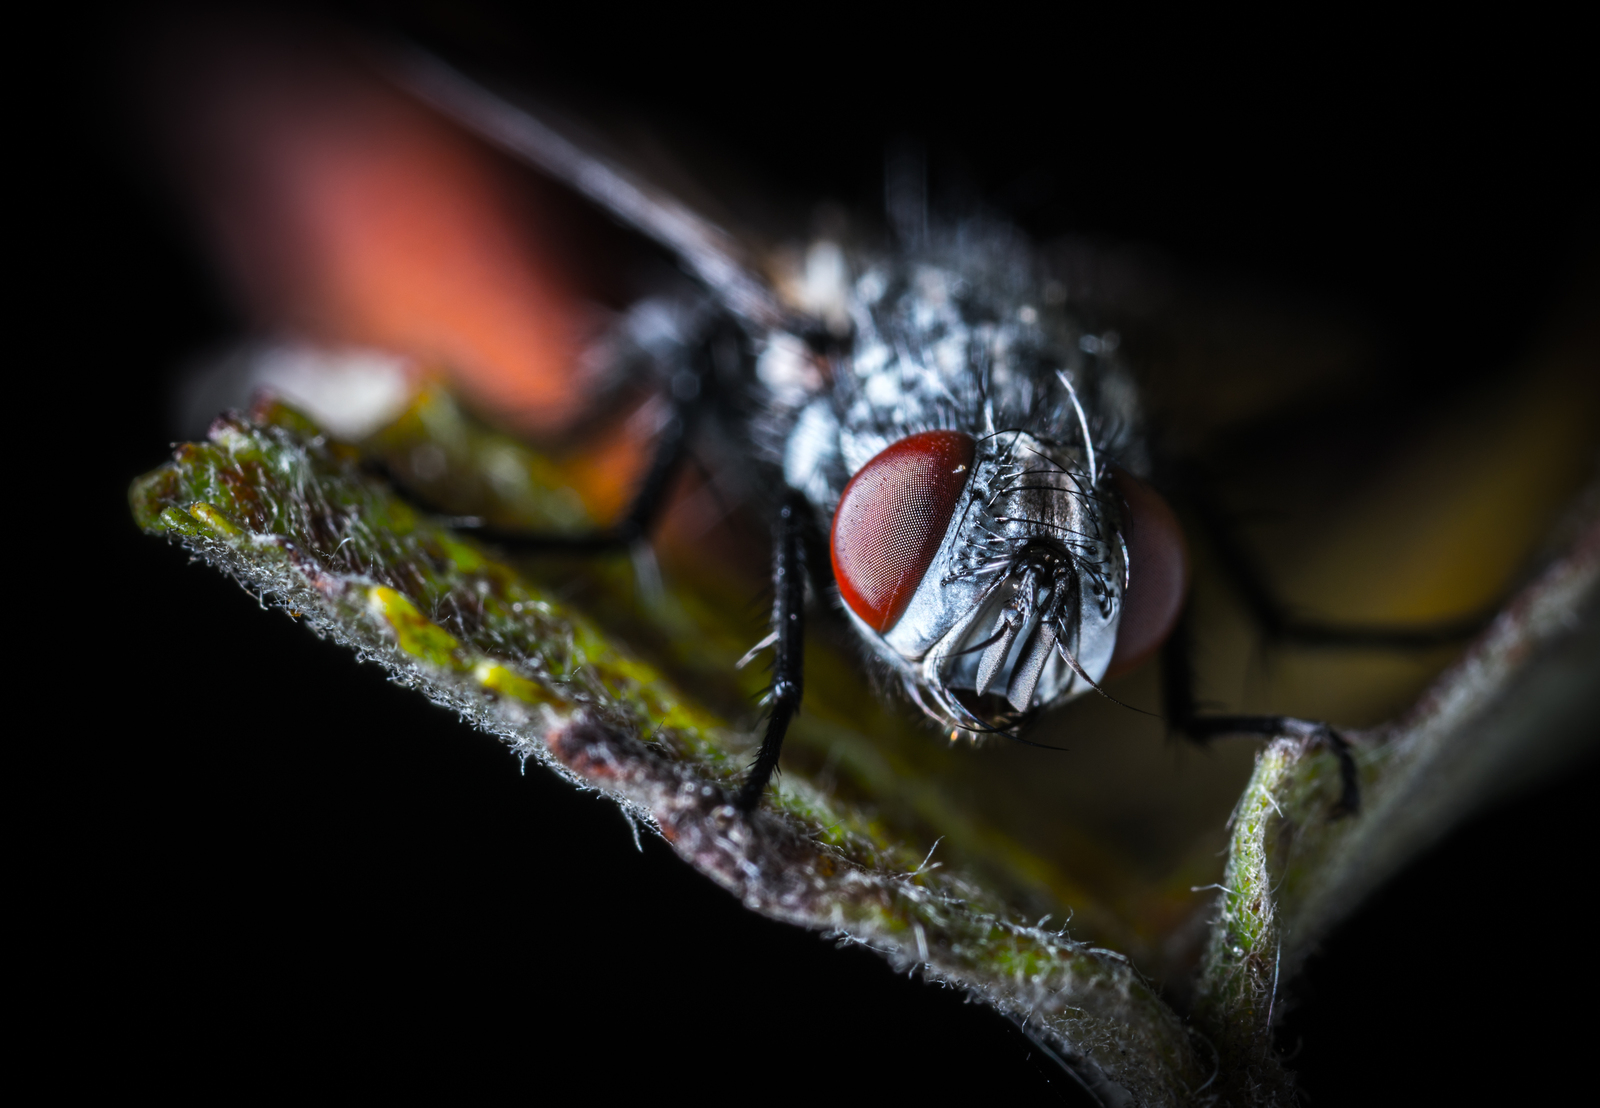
x=966, y=338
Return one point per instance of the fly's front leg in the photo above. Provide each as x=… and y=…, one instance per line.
x=649, y=499
x=788, y=629
x=1184, y=716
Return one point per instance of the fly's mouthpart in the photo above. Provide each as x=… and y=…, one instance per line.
x=1022, y=634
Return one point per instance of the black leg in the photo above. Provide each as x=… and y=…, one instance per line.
x=636, y=523
x=687, y=377
x=788, y=624
x=1280, y=624
x=644, y=510
x=1184, y=716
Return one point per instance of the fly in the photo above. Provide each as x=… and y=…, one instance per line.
x=962, y=461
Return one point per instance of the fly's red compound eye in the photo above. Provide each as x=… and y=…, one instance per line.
x=891, y=518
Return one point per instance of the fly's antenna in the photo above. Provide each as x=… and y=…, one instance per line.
x=905, y=193
x=1083, y=422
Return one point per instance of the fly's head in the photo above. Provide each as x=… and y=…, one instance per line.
x=988, y=572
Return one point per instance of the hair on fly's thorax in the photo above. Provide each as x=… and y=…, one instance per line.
x=960, y=336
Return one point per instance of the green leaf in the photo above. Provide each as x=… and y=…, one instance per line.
x=876, y=831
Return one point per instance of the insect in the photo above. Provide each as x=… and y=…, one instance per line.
x=961, y=458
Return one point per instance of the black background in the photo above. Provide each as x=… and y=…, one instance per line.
x=251, y=863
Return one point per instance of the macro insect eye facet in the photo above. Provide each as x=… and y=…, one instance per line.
x=891, y=519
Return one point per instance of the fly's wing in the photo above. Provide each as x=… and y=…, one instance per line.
x=704, y=249
x=805, y=295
